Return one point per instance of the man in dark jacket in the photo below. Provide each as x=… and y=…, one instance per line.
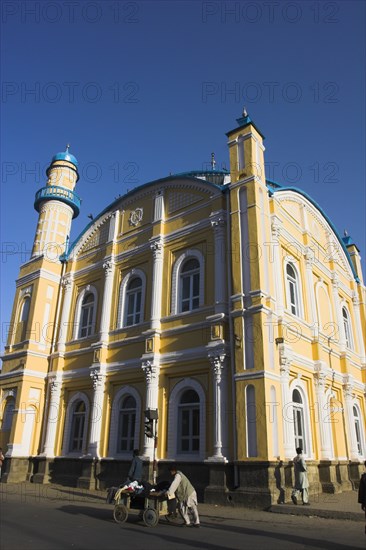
x=362, y=493
x=135, y=471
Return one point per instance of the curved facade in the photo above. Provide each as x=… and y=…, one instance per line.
x=227, y=303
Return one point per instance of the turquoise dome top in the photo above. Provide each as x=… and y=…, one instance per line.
x=65, y=156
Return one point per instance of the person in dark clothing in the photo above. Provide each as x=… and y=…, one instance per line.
x=135, y=471
x=362, y=493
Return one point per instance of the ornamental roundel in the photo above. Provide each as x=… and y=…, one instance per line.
x=136, y=216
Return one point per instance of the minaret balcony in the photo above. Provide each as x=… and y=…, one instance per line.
x=55, y=192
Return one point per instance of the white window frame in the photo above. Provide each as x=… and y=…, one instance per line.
x=347, y=327
x=79, y=396
x=298, y=291
x=359, y=433
x=301, y=387
x=176, y=278
x=173, y=419
x=122, y=304
x=90, y=289
x=113, y=432
x=190, y=407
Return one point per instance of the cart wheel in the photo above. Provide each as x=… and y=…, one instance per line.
x=150, y=517
x=120, y=513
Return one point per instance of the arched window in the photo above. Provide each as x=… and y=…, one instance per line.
x=126, y=424
x=358, y=429
x=347, y=328
x=133, y=302
x=25, y=310
x=189, y=422
x=292, y=286
x=189, y=285
x=86, y=317
x=299, y=420
x=8, y=415
x=78, y=417
x=131, y=299
x=24, y=315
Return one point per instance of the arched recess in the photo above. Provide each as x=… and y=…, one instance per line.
x=176, y=274
x=174, y=401
x=74, y=401
x=78, y=325
x=122, y=305
x=251, y=421
x=114, y=427
x=303, y=406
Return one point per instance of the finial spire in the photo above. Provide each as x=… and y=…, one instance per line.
x=213, y=161
x=245, y=112
x=67, y=147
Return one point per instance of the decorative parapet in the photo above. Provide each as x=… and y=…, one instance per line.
x=55, y=192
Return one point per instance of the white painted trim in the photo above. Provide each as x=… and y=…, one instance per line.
x=172, y=432
x=299, y=385
x=122, y=313
x=113, y=431
x=77, y=322
x=79, y=396
x=176, y=271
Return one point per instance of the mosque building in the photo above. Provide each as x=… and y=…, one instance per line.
x=220, y=311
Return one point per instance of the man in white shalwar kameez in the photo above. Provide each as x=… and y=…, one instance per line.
x=182, y=488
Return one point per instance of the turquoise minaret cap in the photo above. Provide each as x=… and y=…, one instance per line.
x=66, y=156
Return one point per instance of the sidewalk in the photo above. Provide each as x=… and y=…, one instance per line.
x=337, y=506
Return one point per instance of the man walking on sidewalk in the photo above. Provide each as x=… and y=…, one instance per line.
x=301, y=479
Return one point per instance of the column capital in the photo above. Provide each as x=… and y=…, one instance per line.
x=348, y=385
x=66, y=282
x=55, y=385
x=309, y=257
x=108, y=267
x=276, y=227
x=217, y=220
x=97, y=377
x=157, y=248
x=335, y=280
x=285, y=360
x=217, y=359
x=320, y=375
x=151, y=370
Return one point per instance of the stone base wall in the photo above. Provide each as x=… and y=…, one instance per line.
x=254, y=484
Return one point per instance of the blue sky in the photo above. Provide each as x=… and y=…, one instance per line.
x=142, y=89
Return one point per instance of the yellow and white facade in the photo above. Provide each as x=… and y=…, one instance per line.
x=225, y=301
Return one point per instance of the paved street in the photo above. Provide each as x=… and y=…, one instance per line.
x=42, y=518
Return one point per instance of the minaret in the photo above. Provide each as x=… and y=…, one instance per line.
x=57, y=205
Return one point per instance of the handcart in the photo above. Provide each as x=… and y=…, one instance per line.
x=151, y=507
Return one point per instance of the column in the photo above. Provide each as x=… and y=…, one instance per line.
x=277, y=266
x=348, y=399
x=157, y=248
x=98, y=379
x=217, y=359
x=151, y=370
x=337, y=306
x=287, y=411
x=309, y=260
x=323, y=413
x=218, y=226
x=67, y=284
x=108, y=267
x=52, y=417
